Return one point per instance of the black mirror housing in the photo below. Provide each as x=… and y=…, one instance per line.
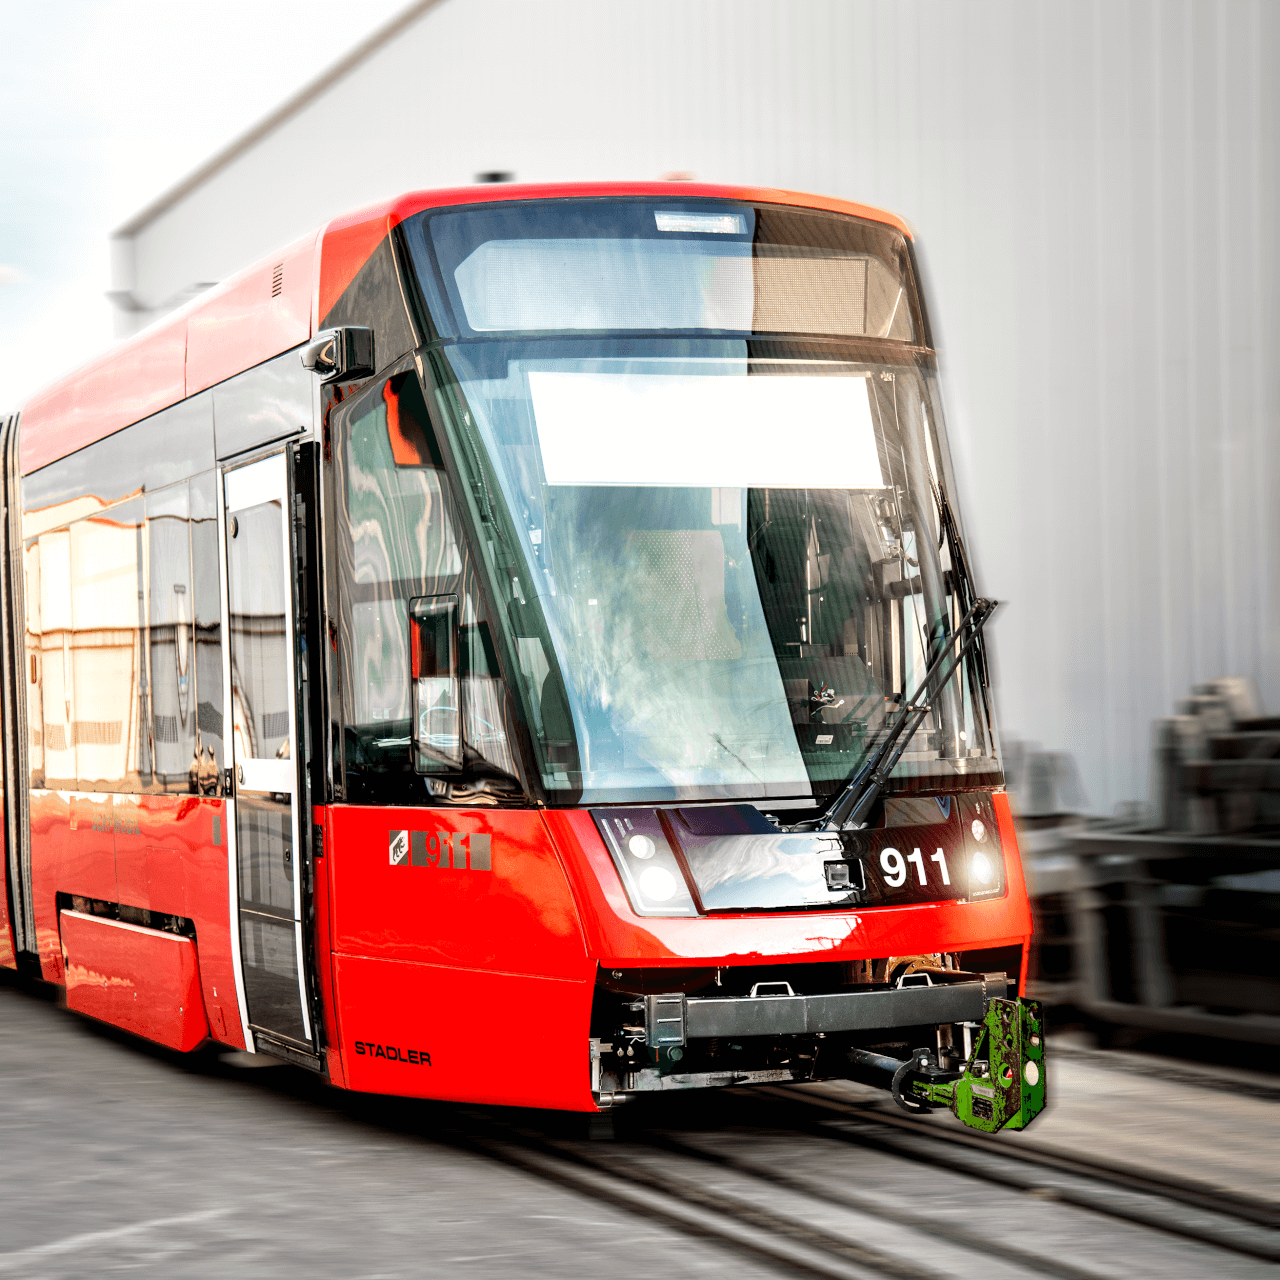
x=340, y=355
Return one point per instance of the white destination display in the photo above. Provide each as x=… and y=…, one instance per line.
x=704, y=431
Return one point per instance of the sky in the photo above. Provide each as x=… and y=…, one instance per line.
x=109, y=103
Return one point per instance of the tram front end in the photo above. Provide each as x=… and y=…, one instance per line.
x=667, y=754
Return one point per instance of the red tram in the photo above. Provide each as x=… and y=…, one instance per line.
x=516, y=645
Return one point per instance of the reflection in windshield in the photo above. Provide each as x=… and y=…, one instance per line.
x=732, y=568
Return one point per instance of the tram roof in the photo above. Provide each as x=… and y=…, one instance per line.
x=281, y=300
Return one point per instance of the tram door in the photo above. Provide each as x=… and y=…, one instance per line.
x=263, y=750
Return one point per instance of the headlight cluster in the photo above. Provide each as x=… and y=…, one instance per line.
x=986, y=863
x=648, y=866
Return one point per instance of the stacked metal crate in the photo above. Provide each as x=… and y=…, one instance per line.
x=1170, y=920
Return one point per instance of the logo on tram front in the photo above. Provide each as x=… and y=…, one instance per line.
x=461, y=850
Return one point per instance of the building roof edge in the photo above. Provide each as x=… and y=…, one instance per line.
x=289, y=108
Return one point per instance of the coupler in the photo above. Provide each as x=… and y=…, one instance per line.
x=1000, y=1086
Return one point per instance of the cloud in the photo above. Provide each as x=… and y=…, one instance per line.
x=11, y=275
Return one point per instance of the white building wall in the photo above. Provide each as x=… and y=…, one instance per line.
x=1095, y=190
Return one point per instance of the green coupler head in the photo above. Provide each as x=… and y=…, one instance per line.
x=1002, y=1085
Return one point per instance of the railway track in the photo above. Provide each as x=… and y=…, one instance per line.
x=809, y=1223
x=1222, y=1219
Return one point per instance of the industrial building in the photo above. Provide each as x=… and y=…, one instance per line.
x=1094, y=190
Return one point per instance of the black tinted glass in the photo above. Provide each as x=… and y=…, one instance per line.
x=574, y=266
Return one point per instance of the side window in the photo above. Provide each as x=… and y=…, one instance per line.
x=108, y=697
x=34, y=659
x=399, y=544
x=53, y=622
x=207, y=616
x=123, y=658
x=170, y=686
x=397, y=541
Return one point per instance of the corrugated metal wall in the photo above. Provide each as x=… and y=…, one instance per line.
x=1095, y=188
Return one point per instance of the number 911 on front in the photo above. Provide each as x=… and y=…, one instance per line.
x=905, y=865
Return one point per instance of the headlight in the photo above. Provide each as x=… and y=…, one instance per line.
x=641, y=847
x=981, y=869
x=647, y=864
x=658, y=884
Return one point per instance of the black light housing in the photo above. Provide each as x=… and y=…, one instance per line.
x=340, y=355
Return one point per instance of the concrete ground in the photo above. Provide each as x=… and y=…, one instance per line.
x=118, y=1157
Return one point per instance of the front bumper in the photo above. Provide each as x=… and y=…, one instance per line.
x=998, y=1082
x=674, y=1020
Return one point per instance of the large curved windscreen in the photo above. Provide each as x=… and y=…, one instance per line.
x=574, y=266
x=725, y=572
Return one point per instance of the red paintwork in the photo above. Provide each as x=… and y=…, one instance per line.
x=507, y=1038
x=323, y=947
x=349, y=241
x=151, y=851
x=430, y=957
x=239, y=324
x=438, y=958
x=130, y=381
x=143, y=980
x=617, y=936
x=172, y=865
x=519, y=917
x=222, y=332
x=8, y=955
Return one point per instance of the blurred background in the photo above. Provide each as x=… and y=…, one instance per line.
x=1094, y=188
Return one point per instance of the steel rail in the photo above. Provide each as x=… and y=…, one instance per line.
x=1132, y=1065
x=1130, y=1177
x=746, y=1228
x=871, y=1207
x=1209, y=1200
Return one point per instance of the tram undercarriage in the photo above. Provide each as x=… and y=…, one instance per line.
x=934, y=1035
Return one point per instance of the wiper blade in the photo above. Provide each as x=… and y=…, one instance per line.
x=851, y=806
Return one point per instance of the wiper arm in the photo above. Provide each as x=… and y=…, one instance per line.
x=851, y=806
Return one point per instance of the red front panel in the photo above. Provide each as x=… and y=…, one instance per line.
x=617, y=936
x=447, y=927
x=142, y=980
x=433, y=1031
x=441, y=904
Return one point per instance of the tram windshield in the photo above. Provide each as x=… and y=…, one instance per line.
x=721, y=562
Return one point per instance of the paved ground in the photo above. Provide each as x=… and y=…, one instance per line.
x=1138, y=1110
x=121, y=1158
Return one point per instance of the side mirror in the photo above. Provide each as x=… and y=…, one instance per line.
x=437, y=698
x=340, y=355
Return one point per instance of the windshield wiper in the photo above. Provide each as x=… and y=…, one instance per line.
x=851, y=806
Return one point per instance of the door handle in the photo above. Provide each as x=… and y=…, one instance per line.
x=226, y=781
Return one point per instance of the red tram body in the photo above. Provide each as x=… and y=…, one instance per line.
x=332, y=732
